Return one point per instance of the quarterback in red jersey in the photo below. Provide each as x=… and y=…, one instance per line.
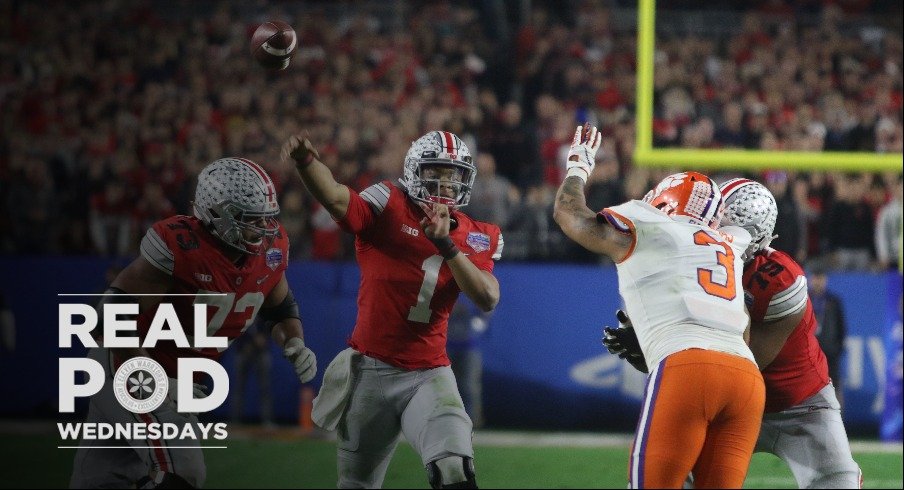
x=231, y=255
x=802, y=421
x=417, y=251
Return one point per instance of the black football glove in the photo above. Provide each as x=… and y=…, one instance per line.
x=622, y=341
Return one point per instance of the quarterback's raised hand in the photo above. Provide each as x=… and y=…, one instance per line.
x=301, y=150
x=622, y=341
x=316, y=176
x=303, y=359
x=582, y=154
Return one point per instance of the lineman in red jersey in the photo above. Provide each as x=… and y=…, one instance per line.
x=802, y=421
x=232, y=254
x=414, y=262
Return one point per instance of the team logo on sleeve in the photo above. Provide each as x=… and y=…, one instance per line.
x=274, y=258
x=480, y=242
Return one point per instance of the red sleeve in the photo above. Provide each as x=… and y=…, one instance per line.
x=359, y=215
x=775, y=286
x=366, y=207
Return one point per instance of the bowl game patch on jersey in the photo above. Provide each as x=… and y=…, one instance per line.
x=480, y=242
x=274, y=258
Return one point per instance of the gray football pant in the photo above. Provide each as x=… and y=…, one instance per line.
x=121, y=468
x=810, y=437
x=424, y=405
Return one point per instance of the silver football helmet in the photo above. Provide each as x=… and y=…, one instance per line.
x=439, y=149
x=751, y=206
x=236, y=200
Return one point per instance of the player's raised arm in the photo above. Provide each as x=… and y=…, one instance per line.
x=578, y=221
x=316, y=176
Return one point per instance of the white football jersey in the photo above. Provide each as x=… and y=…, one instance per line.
x=681, y=283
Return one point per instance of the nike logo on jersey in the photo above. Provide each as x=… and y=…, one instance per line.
x=261, y=280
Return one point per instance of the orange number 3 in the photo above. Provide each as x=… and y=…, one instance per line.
x=726, y=260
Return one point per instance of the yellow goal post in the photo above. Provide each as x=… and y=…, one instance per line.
x=646, y=155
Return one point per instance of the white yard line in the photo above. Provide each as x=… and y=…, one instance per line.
x=485, y=438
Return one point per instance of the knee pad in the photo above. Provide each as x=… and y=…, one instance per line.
x=452, y=472
x=164, y=480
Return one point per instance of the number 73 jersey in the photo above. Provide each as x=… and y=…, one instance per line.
x=407, y=290
x=181, y=247
x=681, y=282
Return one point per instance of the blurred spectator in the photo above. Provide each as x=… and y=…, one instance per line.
x=831, y=328
x=87, y=126
x=531, y=230
x=514, y=146
x=466, y=326
x=111, y=221
x=789, y=225
x=493, y=198
x=253, y=353
x=848, y=225
x=889, y=229
x=32, y=206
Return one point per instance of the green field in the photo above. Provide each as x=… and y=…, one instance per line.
x=35, y=462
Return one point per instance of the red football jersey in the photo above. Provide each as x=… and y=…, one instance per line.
x=775, y=287
x=407, y=291
x=181, y=247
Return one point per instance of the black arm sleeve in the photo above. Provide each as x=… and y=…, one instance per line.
x=275, y=314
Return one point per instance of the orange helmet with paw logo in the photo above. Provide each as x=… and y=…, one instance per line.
x=690, y=197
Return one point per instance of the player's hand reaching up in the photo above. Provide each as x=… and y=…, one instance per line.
x=582, y=154
x=302, y=358
x=299, y=149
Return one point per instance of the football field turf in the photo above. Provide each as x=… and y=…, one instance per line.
x=279, y=461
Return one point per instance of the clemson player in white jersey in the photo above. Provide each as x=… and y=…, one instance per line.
x=680, y=279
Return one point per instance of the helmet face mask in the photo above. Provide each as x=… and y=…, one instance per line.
x=236, y=200
x=439, y=169
x=690, y=197
x=751, y=206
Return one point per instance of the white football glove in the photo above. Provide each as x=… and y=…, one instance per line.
x=587, y=140
x=302, y=358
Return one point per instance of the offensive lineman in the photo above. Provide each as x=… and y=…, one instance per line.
x=234, y=245
x=802, y=422
x=416, y=251
x=680, y=279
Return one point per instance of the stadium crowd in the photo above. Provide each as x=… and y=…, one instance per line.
x=110, y=110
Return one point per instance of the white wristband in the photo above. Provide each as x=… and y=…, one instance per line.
x=578, y=172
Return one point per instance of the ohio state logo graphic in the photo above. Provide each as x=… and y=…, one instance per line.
x=140, y=385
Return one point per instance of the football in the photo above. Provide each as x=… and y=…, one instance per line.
x=273, y=44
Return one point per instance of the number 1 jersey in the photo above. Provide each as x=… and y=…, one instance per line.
x=407, y=290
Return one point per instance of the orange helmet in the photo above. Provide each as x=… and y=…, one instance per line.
x=689, y=196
